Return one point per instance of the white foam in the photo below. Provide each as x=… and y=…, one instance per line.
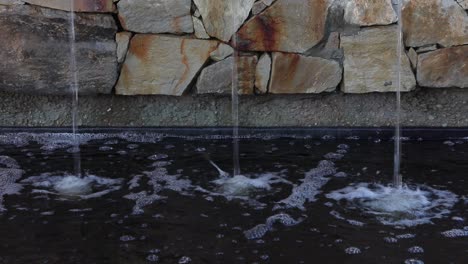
x=87, y=187
x=353, y=251
x=416, y=250
x=159, y=180
x=454, y=233
x=241, y=185
x=8, y=162
x=10, y=173
x=398, y=206
x=73, y=185
x=260, y=230
x=310, y=187
x=413, y=261
x=158, y=156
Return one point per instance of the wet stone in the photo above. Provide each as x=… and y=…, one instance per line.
x=38, y=55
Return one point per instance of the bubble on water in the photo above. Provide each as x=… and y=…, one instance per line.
x=455, y=233
x=52, y=141
x=352, y=251
x=159, y=180
x=340, y=174
x=8, y=163
x=134, y=182
x=48, y=213
x=406, y=236
x=105, y=148
x=310, y=187
x=256, y=232
x=152, y=258
x=449, y=143
x=132, y=146
x=9, y=174
x=355, y=222
x=158, y=157
x=458, y=219
x=142, y=199
x=111, y=142
x=122, y=152
x=413, y=261
x=333, y=156
x=350, y=221
x=398, y=206
x=416, y=250
x=390, y=240
x=154, y=251
x=81, y=210
x=260, y=230
x=343, y=146
x=85, y=187
x=185, y=260
x=283, y=219
x=127, y=238
x=341, y=151
x=161, y=163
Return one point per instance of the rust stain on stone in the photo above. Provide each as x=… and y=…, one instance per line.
x=140, y=46
x=185, y=62
x=122, y=21
x=288, y=65
x=263, y=33
x=176, y=24
x=318, y=8
x=124, y=77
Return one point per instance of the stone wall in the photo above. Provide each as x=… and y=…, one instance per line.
x=198, y=48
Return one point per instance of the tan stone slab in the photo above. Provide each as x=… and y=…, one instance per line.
x=218, y=77
x=160, y=64
x=370, y=63
x=156, y=16
x=293, y=73
x=370, y=12
x=222, y=18
x=287, y=25
x=427, y=22
x=96, y=6
x=444, y=68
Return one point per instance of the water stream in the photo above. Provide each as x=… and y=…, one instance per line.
x=74, y=89
x=397, y=178
x=235, y=111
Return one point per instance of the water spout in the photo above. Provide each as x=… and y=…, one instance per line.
x=235, y=110
x=74, y=89
x=397, y=178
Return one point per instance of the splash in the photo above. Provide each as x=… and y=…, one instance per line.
x=240, y=185
x=86, y=187
x=398, y=206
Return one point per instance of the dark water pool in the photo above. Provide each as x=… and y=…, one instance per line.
x=153, y=200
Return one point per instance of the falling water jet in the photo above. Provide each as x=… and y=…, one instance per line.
x=397, y=178
x=74, y=89
x=235, y=110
